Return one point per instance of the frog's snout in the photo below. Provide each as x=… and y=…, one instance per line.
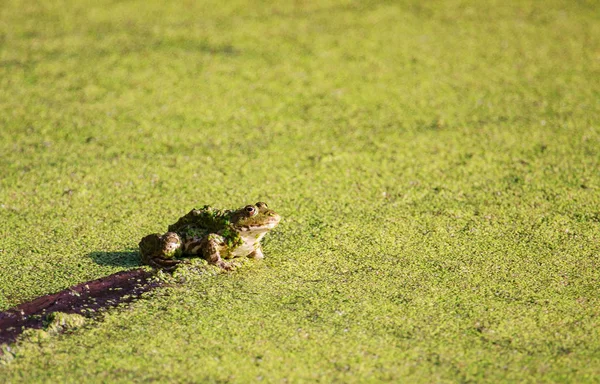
x=274, y=218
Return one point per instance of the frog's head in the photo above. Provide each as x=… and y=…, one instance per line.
x=255, y=218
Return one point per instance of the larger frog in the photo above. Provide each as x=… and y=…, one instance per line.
x=213, y=234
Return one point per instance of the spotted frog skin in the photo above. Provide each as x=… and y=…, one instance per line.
x=213, y=234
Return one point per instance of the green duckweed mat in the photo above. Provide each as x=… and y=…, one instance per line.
x=436, y=164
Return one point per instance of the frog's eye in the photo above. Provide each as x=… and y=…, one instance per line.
x=260, y=204
x=250, y=209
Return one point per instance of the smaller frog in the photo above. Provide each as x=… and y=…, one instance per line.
x=212, y=234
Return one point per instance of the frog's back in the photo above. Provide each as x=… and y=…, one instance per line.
x=200, y=222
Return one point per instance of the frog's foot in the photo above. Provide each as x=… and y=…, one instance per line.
x=257, y=254
x=226, y=265
x=164, y=264
x=219, y=262
x=160, y=251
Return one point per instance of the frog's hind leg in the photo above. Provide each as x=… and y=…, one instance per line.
x=160, y=251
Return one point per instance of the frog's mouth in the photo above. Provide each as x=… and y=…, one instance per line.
x=264, y=227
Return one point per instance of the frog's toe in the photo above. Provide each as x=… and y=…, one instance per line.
x=227, y=266
x=165, y=264
x=170, y=265
x=168, y=262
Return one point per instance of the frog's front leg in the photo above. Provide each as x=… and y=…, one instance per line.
x=208, y=247
x=257, y=254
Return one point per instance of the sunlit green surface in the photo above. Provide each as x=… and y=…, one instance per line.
x=437, y=166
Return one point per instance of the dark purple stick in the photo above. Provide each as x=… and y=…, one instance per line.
x=83, y=299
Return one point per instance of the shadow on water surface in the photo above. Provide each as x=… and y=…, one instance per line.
x=128, y=258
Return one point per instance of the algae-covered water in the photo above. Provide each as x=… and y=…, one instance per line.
x=436, y=164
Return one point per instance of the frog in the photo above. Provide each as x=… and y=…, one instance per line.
x=216, y=235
